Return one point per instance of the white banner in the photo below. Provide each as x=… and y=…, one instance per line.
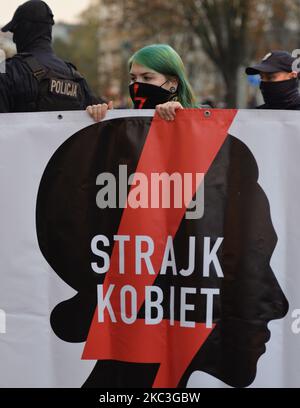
x=32, y=354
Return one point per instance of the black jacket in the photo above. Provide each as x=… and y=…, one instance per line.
x=19, y=88
x=282, y=95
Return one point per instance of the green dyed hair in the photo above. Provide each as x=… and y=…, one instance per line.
x=164, y=59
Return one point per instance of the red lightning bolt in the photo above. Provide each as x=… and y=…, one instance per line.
x=136, y=98
x=187, y=145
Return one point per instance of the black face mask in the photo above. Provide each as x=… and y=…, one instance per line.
x=147, y=96
x=281, y=94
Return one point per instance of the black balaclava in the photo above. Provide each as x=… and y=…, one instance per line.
x=147, y=96
x=30, y=35
x=281, y=94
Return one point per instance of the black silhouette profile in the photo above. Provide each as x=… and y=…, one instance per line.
x=236, y=208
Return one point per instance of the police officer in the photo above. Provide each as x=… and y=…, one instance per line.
x=279, y=81
x=35, y=78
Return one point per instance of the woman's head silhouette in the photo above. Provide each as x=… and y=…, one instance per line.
x=236, y=208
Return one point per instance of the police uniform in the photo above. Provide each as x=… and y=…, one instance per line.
x=35, y=78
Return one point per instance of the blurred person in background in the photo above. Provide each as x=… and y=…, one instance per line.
x=35, y=78
x=279, y=81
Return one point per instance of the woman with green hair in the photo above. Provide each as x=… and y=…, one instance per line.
x=157, y=81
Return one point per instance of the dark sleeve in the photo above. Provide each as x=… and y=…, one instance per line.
x=16, y=84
